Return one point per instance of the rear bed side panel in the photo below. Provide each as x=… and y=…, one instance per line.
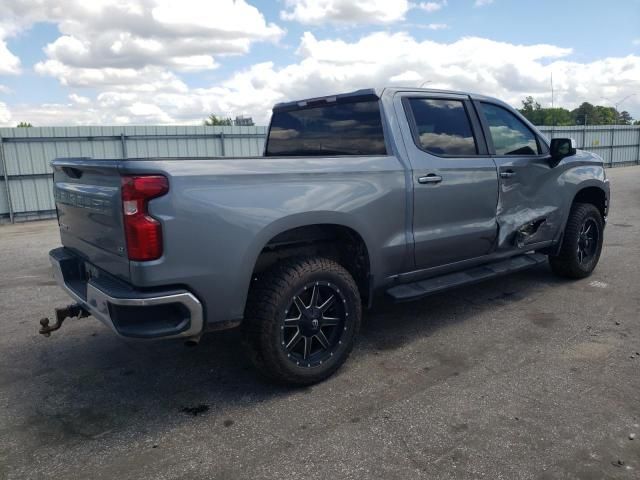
x=220, y=213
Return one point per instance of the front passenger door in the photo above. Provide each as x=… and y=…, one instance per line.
x=528, y=205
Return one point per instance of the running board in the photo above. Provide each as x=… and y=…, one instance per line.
x=422, y=288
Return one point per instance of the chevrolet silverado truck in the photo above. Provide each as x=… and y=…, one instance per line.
x=402, y=192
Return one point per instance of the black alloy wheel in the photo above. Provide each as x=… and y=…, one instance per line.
x=301, y=319
x=314, y=324
x=581, y=243
x=588, y=239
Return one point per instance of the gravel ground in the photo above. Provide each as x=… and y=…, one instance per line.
x=526, y=376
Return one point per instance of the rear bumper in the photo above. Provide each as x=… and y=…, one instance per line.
x=129, y=312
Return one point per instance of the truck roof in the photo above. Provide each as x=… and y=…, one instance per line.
x=370, y=93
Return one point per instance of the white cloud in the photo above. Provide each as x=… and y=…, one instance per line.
x=9, y=63
x=137, y=47
x=437, y=26
x=345, y=11
x=79, y=99
x=408, y=78
x=432, y=6
x=53, y=114
x=5, y=115
x=148, y=112
x=183, y=35
x=154, y=95
x=482, y=3
x=636, y=41
x=499, y=69
x=148, y=79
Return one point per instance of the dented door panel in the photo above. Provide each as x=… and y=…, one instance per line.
x=529, y=209
x=530, y=201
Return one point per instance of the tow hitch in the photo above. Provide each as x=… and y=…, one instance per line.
x=62, y=313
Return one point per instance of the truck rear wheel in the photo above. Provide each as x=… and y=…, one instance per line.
x=301, y=320
x=581, y=243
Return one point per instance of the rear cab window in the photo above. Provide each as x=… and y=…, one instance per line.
x=331, y=128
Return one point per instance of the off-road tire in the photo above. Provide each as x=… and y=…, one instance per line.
x=272, y=293
x=567, y=263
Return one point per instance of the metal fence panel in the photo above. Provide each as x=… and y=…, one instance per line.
x=25, y=154
x=32, y=195
x=4, y=200
x=616, y=144
x=26, y=189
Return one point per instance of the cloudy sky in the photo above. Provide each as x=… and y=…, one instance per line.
x=70, y=62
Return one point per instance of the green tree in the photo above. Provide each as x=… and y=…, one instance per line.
x=606, y=115
x=529, y=106
x=24, y=125
x=588, y=114
x=532, y=111
x=625, y=118
x=537, y=115
x=556, y=116
x=585, y=114
x=213, y=120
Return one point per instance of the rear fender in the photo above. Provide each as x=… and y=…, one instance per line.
x=304, y=219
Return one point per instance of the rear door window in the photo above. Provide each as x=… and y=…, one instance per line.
x=509, y=134
x=442, y=127
x=353, y=128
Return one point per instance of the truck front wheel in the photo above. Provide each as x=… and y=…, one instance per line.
x=581, y=243
x=301, y=320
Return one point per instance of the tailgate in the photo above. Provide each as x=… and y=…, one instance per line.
x=87, y=195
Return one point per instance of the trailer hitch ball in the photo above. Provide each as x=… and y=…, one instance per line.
x=73, y=310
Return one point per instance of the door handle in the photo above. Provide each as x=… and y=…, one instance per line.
x=430, y=178
x=507, y=174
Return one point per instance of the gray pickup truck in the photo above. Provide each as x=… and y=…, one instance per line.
x=405, y=192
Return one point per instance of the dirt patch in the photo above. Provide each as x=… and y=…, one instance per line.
x=591, y=350
x=544, y=320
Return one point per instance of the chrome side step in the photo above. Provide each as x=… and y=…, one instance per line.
x=429, y=286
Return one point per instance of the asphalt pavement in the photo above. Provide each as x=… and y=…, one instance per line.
x=522, y=377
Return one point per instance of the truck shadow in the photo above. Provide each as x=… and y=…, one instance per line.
x=87, y=383
x=391, y=325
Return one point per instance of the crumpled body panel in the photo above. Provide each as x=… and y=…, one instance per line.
x=534, y=201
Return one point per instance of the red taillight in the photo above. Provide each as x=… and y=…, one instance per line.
x=143, y=232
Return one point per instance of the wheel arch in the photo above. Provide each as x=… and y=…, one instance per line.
x=593, y=191
x=595, y=195
x=322, y=233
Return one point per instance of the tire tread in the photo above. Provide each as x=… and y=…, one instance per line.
x=565, y=263
x=262, y=310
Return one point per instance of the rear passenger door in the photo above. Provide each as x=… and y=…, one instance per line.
x=455, y=186
x=528, y=204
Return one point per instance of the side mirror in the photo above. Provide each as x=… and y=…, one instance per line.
x=561, y=148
